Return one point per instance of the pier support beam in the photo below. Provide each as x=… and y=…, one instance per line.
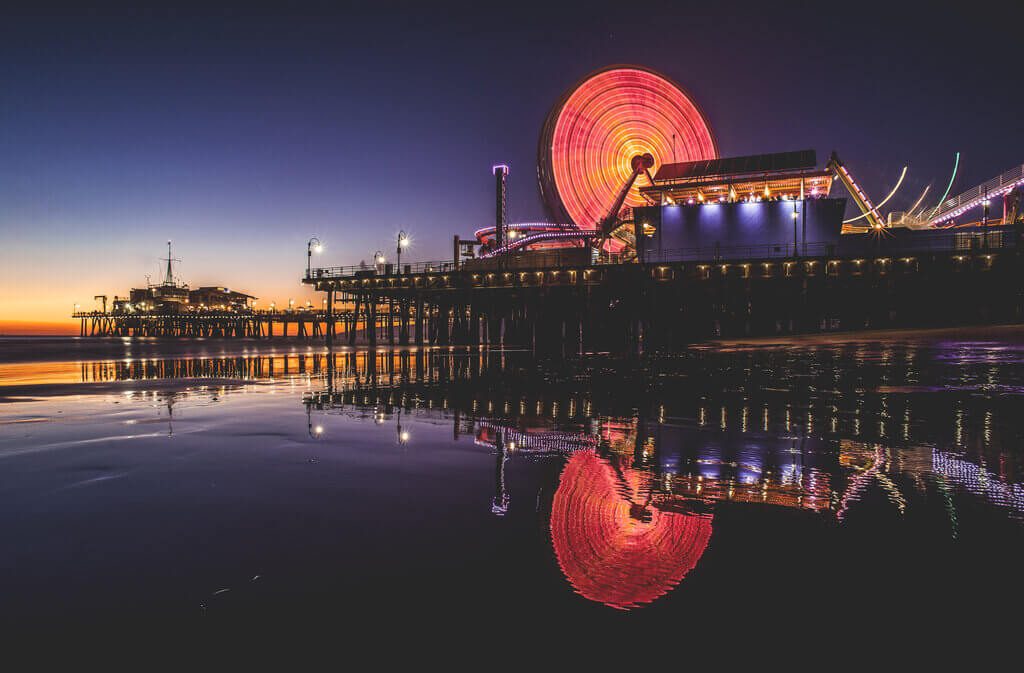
x=371, y=320
x=403, y=323
x=419, y=320
x=330, y=317
x=355, y=321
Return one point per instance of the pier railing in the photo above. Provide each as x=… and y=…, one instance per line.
x=853, y=245
x=997, y=186
x=715, y=253
x=387, y=269
x=279, y=314
x=979, y=238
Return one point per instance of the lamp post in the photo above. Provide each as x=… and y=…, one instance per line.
x=403, y=242
x=984, y=219
x=312, y=245
x=315, y=431
x=403, y=435
x=378, y=261
x=796, y=216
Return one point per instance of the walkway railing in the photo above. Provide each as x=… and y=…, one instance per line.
x=279, y=314
x=852, y=245
x=380, y=269
x=713, y=253
x=975, y=196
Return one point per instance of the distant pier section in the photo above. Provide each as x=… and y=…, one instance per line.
x=172, y=309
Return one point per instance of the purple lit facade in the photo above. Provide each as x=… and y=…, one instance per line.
x=742, y=229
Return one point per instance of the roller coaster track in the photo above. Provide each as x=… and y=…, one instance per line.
x=976, y=196
x=543, y=237
x=868, y=209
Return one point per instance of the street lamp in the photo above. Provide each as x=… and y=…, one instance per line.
x=312, y=245
x=403, y=242
x=291, y=304
x=403, y=435
x=378, y=260
x=315, y=431
x=984, y=218
x=796, y=216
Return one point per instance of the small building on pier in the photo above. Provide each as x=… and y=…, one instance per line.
x=166, y=298
x=173, y=297
x=764, y=205
x=220, y=298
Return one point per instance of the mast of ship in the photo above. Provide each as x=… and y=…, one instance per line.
x=169, y=277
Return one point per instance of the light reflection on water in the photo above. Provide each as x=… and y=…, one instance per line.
x=633, y=473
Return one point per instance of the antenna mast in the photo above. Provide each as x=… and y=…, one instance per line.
x=169, y=278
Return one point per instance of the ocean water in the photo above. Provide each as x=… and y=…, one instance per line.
x=840, y=487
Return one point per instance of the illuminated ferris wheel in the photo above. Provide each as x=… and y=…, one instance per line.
x=609, y=129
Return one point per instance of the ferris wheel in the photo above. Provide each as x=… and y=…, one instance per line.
x=611, y=128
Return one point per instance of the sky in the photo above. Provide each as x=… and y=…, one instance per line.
x=240, y=133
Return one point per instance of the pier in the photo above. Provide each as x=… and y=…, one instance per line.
x=241, y=324
x=563, y=303
x=645, y=306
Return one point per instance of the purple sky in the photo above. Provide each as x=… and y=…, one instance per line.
x=239, y=135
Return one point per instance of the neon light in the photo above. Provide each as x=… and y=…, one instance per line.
x=882, y=202
x=918, y=202
x=576, y=234
x=484, y=232
x=949, y=186
x=997, y=186
x=607, y=549
x=591, y=137
x=975, y=202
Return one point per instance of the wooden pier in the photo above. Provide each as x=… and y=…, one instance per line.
x=561, y=303
x=664, y=306
x=248, y=324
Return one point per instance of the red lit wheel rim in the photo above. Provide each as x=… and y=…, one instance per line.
x=607, y=553
x=593, y=133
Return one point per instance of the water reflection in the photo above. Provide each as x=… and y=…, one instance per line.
x=645, y=467
x=980, y=481
x=782, y=436
x=620, y=539
x=647, y=461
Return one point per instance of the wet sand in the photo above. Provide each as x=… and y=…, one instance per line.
x=156, y=481
x=89, y=349
x=15, y=349
x=978, y=333
x=29, y=392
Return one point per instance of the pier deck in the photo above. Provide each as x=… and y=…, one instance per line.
x=563, y=305
x=242, y=324
x=667, y=304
